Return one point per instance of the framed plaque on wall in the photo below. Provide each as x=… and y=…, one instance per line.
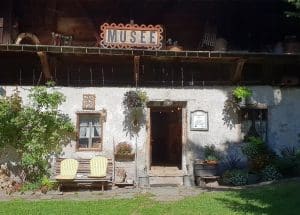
x=199, y=120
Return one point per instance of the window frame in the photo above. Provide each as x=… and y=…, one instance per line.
x=102, y=116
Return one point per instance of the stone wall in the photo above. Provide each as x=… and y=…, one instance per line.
x=224, y=128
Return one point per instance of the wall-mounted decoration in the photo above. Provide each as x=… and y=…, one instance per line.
x=88, y=102
x=199, y=120
x=131, y=36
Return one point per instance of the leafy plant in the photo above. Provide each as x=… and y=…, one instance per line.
x=210, y=153
x=270, y=173
x=36, y=131
x=235, y=177
x=123, y=148
x=288, y=163
x=241, y=93
x=232, y=161
x=134, y=103
x=254, y=146
x=30, y=186
x=257, y=153
x=134, y=99
x=124, y=152
x=46, y=182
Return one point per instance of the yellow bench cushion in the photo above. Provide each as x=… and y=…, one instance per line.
x=98, y=166
x=68, y=169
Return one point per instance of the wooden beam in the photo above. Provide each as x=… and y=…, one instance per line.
x=136, y=69
x=45, y=65
x=237, y=71
x=177, y=59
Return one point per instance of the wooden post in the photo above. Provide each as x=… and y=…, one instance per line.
x=45, y=65
x=237, y=71
x=136, y=69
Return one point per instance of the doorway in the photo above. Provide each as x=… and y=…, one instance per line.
x=166, y=136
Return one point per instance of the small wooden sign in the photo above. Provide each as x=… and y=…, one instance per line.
x=131, y=36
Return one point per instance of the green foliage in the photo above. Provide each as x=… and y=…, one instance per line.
x=241, y=93
x=235, y=177
x=254, y=146
x=30, y=186
x=134, y=103
x=123, y=148
x=257, y=153
x=46, y=182
x=210, y=153
x=296, y=11
x=288, y=163
x=10, y=108
x=37, y=130
x=134, y=99
x=270, y=173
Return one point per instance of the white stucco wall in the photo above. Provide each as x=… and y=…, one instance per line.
x=283, y=117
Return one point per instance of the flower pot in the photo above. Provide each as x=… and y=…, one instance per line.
x=205, y=169
x=124, y=157
x=242, y=102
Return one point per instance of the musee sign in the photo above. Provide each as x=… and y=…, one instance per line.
x=131, y=35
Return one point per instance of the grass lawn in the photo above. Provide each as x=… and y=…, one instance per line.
x=283, y=198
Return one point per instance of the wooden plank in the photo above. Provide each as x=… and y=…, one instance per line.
x=45, y=65
x=136, y=69
x=237, y=71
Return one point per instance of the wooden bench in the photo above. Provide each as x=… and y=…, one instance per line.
x=203, y=180
x=82, y=174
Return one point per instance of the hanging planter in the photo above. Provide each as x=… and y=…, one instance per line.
x=134, y=103
x=242, y=95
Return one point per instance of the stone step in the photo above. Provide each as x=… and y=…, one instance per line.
x=165, y=171
x=165, y=180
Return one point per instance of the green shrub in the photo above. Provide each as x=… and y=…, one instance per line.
x=270, y=173
x=288, y=163
x=257, y=153
x=241, y=93
x=254, y=146
x=46, y=182
x=36, y=130
x=30, y=186
x=286, y=166
x=210, y=153
x=235, y=177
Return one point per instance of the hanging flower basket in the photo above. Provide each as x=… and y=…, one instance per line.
x=134, y=103
x=124, y=152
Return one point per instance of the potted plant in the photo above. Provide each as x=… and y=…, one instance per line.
x=242, y=94
x=124, y=152
x=134, y=103
x=208, y=166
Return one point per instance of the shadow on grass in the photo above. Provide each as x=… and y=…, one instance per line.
x=279, y=198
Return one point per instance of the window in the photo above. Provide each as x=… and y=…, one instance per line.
x=254, y=122
x=89, y=131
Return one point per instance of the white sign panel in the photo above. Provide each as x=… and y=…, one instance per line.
x=199, y=120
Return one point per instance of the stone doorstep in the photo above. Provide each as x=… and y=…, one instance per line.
x=165, y=171
x=166, y=180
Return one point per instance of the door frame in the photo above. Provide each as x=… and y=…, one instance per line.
x=182, y=105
